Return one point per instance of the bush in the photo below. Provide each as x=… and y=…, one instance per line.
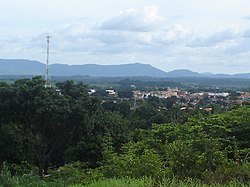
x=229, y=172
x=75, y=173
x=136, y=161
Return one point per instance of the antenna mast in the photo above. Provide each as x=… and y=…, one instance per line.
x=47, y=77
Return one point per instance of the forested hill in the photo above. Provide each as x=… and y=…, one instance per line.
x=27, y=67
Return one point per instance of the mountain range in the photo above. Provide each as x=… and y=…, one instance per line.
x=29, y=67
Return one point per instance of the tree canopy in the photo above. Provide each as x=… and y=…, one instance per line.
x=54, y=126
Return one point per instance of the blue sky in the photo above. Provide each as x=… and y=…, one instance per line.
x=200, y=35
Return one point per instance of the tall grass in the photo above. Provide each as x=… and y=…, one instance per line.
x=28, y=180
x=32, y=181
x=147, y=182
x=126, y=182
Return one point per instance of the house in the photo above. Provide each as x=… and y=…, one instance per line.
x=208, y=110
x=111, y=92
x=91, y=91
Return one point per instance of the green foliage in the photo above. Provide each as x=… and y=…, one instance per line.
x=46, y=128
x=135, y=161
x=23, y=177
x=122, y=108
x=75, y=173
x=142, y=117
x=46, y=119
x=192, y=158
x=125, y=182
x=125, y=93
x=228, y=172
x=69, y=173
x=199, y=146
x=20, y=169
x=149, y=182
x=89, y=146
x=12, y=142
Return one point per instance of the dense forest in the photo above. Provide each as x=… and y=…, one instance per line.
x=66, y=136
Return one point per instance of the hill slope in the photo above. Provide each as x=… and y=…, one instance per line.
x=29, y=67
x=21, y=67
x=129, y=70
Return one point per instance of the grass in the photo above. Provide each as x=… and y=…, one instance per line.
x=127, y=182
x=150, y=183
x=34, y=181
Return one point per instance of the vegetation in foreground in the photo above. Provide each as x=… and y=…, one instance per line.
x=75, y=139
x=34, y=181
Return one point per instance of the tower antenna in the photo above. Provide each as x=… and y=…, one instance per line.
x=47, y=77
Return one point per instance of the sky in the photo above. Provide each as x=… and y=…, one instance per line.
x=199, y=35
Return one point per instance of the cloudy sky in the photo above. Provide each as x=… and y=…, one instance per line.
x=200, y=35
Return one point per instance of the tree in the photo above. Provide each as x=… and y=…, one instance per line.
x=88, y=146
x=125, y=94
x=136, y=160
x=142, y=117
x=47, y=118
x=14, y=147
x=122, y=108
x=237, y=123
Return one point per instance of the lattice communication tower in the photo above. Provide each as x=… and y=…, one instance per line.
x=47, y=76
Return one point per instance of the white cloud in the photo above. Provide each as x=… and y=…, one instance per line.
x=176, y=35
x=201, y=36
x=247, y=17
x=75, y=29
x=213, y=39
x=242, y=46
x=246, y=33
x=134, y=20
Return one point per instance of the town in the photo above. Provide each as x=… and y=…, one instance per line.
x=185, y=100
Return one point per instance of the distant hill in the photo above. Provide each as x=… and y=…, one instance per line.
x=183, y=73
x=21, y=67
x=123, y=70
x=29, y=67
